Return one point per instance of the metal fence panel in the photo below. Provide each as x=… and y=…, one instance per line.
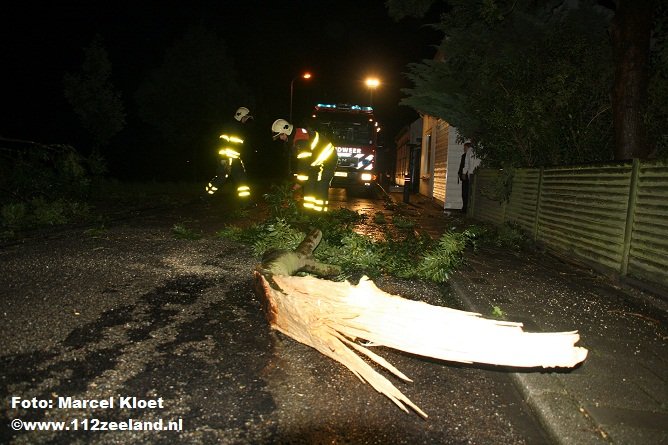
x=609, y=215
x=521, y=207
x=583, y=211
x=486, y=206
x=648, y=255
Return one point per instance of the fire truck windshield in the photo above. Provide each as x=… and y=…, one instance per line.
x=349, y=132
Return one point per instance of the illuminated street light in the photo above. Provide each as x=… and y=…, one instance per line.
x=372, y=83
x=292, y=89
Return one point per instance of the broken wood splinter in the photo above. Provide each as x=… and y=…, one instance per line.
x=335, y=317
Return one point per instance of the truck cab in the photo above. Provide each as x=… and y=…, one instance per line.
x=353, y=131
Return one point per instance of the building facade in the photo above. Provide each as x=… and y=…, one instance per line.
x=436, y=156
x=408, y=143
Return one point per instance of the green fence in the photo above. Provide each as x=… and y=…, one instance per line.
x=613, y=217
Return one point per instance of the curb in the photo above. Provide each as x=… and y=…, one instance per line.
x=565, y=422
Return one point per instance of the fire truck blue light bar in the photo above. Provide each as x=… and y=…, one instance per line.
x=346, y=107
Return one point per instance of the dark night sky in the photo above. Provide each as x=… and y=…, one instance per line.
x=340, y=42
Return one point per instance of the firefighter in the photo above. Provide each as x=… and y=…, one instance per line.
x=231, y=166
x=316, y=162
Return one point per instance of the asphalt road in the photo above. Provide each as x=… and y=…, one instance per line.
x=169, y=330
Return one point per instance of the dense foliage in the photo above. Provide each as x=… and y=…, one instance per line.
x=529, y=82
x=186, y=99
x=657, y=107
x=43, y=184
x=93, y=97
x=403, y=252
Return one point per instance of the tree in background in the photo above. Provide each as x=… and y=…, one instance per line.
x=630, y=32
x=531, y=84
x=186, y=99
x=93, y=97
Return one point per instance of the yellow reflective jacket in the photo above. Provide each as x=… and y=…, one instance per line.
x=232, y=141
x=313, y=153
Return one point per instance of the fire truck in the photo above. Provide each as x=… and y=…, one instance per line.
x=353, y=131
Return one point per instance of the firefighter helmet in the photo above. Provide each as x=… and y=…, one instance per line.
x=241, y=113
x=281, y=126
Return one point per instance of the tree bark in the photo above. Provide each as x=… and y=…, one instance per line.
x=630, y=34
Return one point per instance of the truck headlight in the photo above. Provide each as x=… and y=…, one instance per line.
x=367, y=176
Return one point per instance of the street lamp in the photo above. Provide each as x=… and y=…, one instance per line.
x=292, y=89
x=372, y=83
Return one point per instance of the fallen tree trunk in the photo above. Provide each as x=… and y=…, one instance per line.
x=334, y=317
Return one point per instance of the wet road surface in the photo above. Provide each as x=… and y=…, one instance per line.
x=131, y=311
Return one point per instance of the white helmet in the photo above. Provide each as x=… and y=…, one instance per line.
x=241, y=112
x=281, y=126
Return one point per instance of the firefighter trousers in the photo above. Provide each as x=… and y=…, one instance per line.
x=230, y=170
x=316, y=188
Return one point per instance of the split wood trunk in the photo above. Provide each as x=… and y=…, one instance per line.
x=344, y=321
